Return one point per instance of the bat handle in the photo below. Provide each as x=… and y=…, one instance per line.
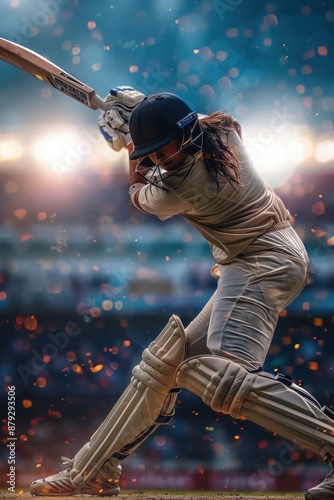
x=98, y=102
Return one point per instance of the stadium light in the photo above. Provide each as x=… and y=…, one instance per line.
x=324, y=151
x=54, y=146
x=10, y=150
x=66, y=151
x=300, y=149
x=277, y=153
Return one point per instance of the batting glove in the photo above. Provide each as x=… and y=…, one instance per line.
x=115, y=140
x=115, y=124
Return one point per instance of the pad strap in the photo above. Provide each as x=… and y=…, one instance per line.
x=166, y=415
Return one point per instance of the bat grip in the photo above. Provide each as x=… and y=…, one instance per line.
x=98, y=102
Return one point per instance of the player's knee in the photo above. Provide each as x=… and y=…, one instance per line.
x=161, y=359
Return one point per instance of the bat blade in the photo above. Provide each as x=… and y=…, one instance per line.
x=44, y=70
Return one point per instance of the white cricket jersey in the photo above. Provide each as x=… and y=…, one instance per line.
x=229, y=218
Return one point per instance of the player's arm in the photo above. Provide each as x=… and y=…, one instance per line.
x=114, y=126
x=136, y=181
x=134, y=177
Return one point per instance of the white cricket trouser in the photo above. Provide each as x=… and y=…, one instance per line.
x=239, y=320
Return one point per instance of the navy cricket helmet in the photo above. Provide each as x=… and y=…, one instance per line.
x=160, y=118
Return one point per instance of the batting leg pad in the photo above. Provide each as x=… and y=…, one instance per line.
x=140, y=405
x=165, y=416
x=229, y=388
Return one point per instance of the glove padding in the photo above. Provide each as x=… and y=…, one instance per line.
x=114, y=123
x=115, y=140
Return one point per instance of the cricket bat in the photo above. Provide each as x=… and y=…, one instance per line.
x=44, y=70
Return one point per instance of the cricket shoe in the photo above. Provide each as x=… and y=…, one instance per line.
x=104, y=483
x=324, y=490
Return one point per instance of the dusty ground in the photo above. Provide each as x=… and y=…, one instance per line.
x=165, y=495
